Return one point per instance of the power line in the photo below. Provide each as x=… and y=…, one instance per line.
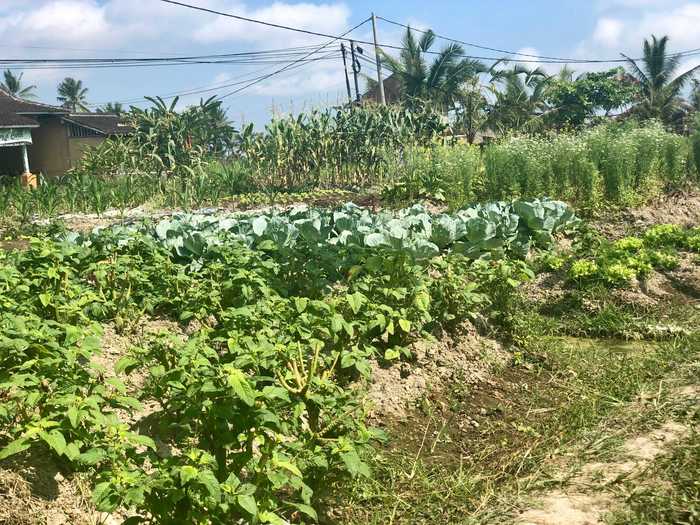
x=253, y=20
x=469, y=44
x=333, y=39
x=208, y=89
x=246, y=55
x=275, y=61
x=542, y=58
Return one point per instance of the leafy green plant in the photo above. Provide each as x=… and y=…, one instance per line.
x=52, y=391
x=629, y=258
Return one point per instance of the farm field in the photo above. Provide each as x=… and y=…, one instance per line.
x=356, y=316
x=345, y=364
x=344, y=269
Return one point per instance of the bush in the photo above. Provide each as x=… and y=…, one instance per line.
x=620, y=164
x=442, y=173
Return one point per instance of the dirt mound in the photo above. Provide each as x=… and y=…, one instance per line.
x=679, y=208
x=676, y=208
x=33, y=490
x=466, y=357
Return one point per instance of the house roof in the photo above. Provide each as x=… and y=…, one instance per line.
x=12, y=120
x=18, y=113
x=104, y=123
x=11, y=104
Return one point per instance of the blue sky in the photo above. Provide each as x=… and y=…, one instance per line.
x=92, y=28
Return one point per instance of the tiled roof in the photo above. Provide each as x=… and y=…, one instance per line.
x=12, y=104
x=12, y=120
x=104, y=123
x=16, y=112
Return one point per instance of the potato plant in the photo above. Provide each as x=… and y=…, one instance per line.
x=260, y=408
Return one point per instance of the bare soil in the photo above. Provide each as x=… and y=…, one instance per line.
x=467, y=358
x=681, y=208
x=35, y=489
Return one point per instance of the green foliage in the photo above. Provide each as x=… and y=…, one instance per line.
x=334, y=148
x=72, y=94
x=629, y=258
x=499, y=281
x=438, y=83
x=163, y=143
x=440, y=173
x=230, y=413
x=659, y=86
x=256, y=404
x=576, y=101
x=342, y=234
x=607, y=163
x=12, y=84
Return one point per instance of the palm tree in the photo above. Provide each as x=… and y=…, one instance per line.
x=441, y=81
x=13, y=85
x=115, y=108
x=519, y=98
x=660, y=93
x=72, y=94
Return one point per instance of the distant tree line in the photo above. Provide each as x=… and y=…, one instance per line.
x=505, y=98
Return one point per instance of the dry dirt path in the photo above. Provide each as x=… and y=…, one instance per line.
x=588, y=495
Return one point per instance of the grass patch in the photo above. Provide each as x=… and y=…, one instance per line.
x=670, y=492
x=467, y=453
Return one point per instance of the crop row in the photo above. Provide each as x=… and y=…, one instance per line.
x=603, y=165
x=259, y=410
x=348, y=231
x=256, y=406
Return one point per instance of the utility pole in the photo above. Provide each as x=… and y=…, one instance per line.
x=380, y=80
x=355, y=68
x=345, y=67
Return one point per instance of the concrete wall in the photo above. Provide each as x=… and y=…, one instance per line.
x=53, y=152
x=49, y=153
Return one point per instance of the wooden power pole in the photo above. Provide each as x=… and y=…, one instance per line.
x=345, y=67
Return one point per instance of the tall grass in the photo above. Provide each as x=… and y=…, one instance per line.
x=439, y=172
x=623, y=165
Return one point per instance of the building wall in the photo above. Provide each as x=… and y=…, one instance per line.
x=76, y=147
x=53, y=152
x=49, y=153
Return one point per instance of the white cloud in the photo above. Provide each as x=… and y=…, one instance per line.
x=636, y=20
x=310, y=80
x=608, y=31
x=130, y=23
x=58, y=23
x=80, y=28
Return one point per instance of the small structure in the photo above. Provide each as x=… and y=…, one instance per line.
x=39, y=138
x=392, y=91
